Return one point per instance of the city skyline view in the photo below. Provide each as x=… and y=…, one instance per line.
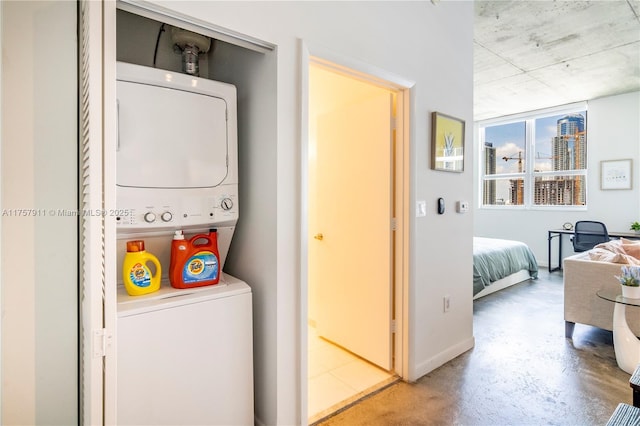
x=559, y=143
x=509, y=139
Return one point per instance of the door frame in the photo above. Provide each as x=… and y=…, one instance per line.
x=402, y=87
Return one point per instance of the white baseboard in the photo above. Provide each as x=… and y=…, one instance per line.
x=443, y=357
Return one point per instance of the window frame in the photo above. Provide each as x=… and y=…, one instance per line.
x=529, y=175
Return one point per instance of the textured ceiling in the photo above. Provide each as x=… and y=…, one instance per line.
x=536, y=54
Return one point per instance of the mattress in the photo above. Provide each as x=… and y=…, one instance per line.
x=494, y=259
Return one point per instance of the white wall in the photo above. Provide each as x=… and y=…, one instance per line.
x=39, y=253
x=613, y=133
x=429, y=44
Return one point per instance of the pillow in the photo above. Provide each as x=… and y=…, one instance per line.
x=633, y=260
x=603, y=255
x=628, y=241
x=631, y=247
x=613, y=246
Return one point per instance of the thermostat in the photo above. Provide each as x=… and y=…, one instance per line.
x=462, y=206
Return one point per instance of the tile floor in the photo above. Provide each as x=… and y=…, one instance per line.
x=337, y=377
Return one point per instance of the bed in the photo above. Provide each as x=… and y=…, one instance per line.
x=498, y=264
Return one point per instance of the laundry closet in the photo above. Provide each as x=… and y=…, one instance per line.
x=184, y=352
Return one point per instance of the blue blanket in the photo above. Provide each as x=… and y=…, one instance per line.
x=494, y=259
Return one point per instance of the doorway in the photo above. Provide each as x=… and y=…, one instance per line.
x=355, y=248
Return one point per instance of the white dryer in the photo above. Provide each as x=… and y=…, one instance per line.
x=176, y=153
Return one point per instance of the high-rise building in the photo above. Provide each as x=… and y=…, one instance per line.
x=489, y=193
x=569, y=148
x=557, y=191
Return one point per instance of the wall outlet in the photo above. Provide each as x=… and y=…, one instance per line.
x=446, y=303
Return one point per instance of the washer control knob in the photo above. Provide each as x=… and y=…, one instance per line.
x=166, y=216
x=149, y=217
x=226, y=204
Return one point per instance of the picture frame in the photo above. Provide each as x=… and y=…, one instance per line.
x=615, y=174
x=447, y=143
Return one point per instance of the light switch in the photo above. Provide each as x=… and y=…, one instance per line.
x=421, y=208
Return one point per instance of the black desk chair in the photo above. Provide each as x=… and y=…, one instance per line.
x=588, y=234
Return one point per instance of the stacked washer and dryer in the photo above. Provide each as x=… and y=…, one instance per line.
x=185, y=356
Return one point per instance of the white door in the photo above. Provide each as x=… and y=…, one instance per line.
x=352, y=236
x=95, y=328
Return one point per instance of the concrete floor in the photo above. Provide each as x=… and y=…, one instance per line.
x=522, y=371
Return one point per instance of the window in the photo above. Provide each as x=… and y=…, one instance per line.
x=535, y=160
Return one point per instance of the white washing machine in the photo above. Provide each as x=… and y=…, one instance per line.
x=185, y=356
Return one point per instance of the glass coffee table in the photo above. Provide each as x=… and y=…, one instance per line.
x=625, y=344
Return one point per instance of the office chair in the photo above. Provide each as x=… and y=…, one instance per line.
x=587, y=234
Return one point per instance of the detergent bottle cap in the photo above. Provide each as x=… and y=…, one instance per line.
x=135, y=246
x=178, y=235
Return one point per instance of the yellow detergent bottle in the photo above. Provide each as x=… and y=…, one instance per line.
x=136, y=275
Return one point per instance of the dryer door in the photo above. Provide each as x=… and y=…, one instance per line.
x=169, y=138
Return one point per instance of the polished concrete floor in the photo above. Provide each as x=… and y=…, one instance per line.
x=522, y=371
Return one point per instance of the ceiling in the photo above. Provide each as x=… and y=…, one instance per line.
x=530, y=55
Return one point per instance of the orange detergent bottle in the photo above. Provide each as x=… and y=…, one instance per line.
x=194, y=262
x=136, y=274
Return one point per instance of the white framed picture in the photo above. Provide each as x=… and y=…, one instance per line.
x=615, y=174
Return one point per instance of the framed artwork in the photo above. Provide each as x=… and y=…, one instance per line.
x=615, y=174
x=447, y=143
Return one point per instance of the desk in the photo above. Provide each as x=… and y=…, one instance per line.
x=625, y=343
x=553, y=233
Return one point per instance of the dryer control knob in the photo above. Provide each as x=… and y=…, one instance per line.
x=166, y=216
x=149, y=217
x=226, y=204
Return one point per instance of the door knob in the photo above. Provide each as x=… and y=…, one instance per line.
x=318, y=237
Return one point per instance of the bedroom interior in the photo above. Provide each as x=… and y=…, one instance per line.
x=524, y=64
x=507, y=56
